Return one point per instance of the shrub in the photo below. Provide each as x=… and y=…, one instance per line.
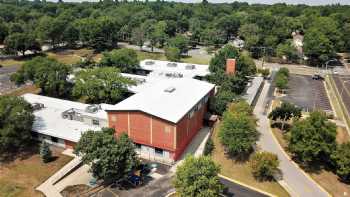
x=209, y=147
x=45, y=152
x=264, y=165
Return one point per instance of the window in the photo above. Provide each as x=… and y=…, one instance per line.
x=95, y=122
x=54, y=139
x=158, y=151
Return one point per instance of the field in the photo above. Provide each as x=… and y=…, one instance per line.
x=240, y=170
x=20, y=177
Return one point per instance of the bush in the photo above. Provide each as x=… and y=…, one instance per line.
x=45, y=152
x=264, y=165
x=209, y=147
x=173, y=54
x=341, y=159
x=264, y=72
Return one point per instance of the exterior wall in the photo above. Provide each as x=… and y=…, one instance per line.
x=48, y=139
x=152, y=132
x=69, y=144
x=88, y=120
x=144, y=129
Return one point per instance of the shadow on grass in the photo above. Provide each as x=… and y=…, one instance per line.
x=23, y=153
x=279, y=125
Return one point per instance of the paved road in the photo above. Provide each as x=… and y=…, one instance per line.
x=298, y=184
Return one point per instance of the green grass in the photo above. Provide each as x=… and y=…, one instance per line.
x=142, y=55
x=10, y=189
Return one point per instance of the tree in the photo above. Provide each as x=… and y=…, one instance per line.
x=21, y=42
x=341, y=159
x=181, y=42
x=138, y=37
x=288, y=51
x=173, y=54
x=317, y=47
x=285, y=112
x=197, y=177
x=123, y=59
x=101, y=85
x=264, y=165
x=281, y=79
x=219, y=103
x=46, y=73
x=251, y=33
x=16, y=120
x=313, y=139
x=238, y=132
x=111, y=159
x=45, y=152
x=51, y=29
x=218, y=62
x=3, y=30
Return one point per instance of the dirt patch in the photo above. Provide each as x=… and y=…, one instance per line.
x=74, y=190
x=342, y=135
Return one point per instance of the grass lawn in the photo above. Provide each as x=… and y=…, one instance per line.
x=21, y=176
x=241, y=171
x=23, y=90
x=11, y=62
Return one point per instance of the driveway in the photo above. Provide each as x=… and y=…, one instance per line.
x=293, y=179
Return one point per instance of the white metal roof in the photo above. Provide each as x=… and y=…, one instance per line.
x=49, y=121
x=253, y=89
x=171, y=106
x=162, y=68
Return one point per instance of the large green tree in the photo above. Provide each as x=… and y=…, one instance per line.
x=264, y=165
x=16, y=121
x=48, y=74
x=198, y=177
x=341, y=159
x=313, y=139
x=111, y=158
x=20, y=43
x=238, y=132
x=181, y=42
x=104, y=84
x=285, y=112
x=123, y=59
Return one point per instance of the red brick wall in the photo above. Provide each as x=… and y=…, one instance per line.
x=144, y=129
x=69, y=144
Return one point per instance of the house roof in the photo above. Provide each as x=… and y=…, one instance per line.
x=162, y=68
x=49, y=120
x=168, y=99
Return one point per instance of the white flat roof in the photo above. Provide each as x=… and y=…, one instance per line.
x=171, y=106
x=253, y=89
x=49, y=121
x=162, y=68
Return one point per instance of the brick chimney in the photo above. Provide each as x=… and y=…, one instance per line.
x=230, y=66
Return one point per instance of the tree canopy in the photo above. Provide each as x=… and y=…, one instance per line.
x=197, y=177
x=313, y=139
x=123, y=59
x=111, y=159
x=46, y=73
x=16, y=121
x=101, y=85
x=341, y=159
x=285, y=112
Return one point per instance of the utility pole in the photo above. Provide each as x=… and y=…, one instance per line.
x=264, y=50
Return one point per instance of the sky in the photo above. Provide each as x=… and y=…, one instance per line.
x=308, y=2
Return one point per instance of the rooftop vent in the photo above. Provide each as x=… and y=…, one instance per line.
x=37, y=106
x=149, y=63
x=190, y=67
x=170, y=89
x=92, y=108
x=172, y=64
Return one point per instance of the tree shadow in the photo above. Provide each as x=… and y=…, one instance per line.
x=279, y=125
x=23, y=153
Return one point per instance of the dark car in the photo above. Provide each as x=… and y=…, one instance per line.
x=317, y=77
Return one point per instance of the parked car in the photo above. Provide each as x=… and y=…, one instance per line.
x=317, y=77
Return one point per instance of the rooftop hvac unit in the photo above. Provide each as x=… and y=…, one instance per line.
x=190, y=67
x=172, y=64
x=37, y=106
x=149, y=63
x=170, y=89
x=92, y=108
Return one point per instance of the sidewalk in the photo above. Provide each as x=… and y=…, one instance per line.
x=294, y=179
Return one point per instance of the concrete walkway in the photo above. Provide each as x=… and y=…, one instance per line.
x=48, y=187
x=294, y=180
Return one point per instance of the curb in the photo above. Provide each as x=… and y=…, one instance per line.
x=290, y=159
x=247, y=186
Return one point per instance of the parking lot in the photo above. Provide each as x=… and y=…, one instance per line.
x=307, y=93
